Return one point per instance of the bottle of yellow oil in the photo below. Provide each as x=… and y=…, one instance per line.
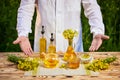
x=43, y=45
x=51, y=58
x=52, y=47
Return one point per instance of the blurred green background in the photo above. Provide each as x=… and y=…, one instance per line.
x=111, y=17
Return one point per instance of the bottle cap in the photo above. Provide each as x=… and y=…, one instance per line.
x=43, y=31
x=51, y=39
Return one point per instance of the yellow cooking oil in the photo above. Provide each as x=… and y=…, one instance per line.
x=74, y=63
x=43, y=45
x=51, y=60
x=69, y=54
x=51, y=47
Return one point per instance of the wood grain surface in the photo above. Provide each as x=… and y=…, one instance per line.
x=9, y=71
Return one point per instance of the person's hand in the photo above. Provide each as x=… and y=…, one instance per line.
x=24, y=45
x=97, y=41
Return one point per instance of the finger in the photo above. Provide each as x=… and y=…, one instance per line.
x=98, y=45
x=16, y=41
x=92, y=47
x=30, y=52
x=24, y=49
x=26, y=52
x=105, y=37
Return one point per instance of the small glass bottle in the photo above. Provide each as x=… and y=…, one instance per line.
x=42, y=44
x=51, y=47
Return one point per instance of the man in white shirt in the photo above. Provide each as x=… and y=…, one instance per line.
x=56, y=16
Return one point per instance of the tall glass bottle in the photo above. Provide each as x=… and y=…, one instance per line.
x=51, y=47
x=42, y=44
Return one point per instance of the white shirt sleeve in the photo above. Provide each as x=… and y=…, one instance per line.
x=93, y=13
x=24, y=17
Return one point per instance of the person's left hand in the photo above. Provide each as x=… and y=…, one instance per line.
x=97, y=41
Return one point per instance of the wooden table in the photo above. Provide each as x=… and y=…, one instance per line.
x=8, y=70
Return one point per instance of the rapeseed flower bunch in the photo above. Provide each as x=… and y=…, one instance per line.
x=70, y=33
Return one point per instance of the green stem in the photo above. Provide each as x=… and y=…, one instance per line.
x=70, y=42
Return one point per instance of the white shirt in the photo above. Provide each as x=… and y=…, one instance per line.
x=56, y=16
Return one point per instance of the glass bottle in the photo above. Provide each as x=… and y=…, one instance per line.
x=70, y=53
x=51, y=47
x=42, y=44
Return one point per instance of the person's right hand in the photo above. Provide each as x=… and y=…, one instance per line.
x=24, y=45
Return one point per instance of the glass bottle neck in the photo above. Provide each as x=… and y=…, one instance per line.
x=51, y=42
x=42, y=35
x=70, y=42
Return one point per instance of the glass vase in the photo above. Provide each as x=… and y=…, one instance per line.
x=70, y=53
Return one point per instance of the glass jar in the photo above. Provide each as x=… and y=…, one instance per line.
x=73, y=63
x=51, y=60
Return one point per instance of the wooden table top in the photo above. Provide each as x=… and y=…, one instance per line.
x=8, y=70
